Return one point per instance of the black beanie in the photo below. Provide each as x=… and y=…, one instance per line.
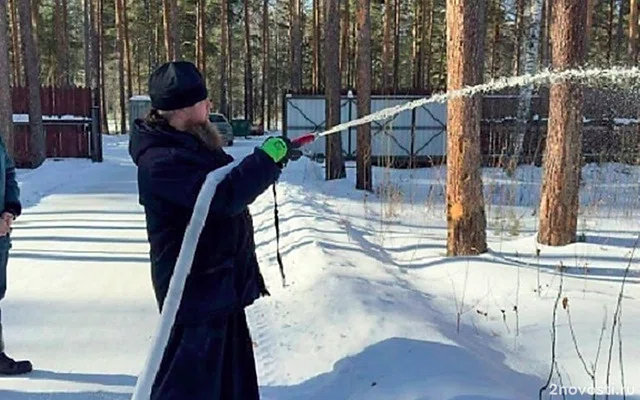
x=175, y=85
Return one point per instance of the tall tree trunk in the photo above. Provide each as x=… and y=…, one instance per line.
x=37, y=146
x=466, y=233
x=139, y=53
x=428, y=43
x=224, y=73
x=120, y=16
x=61, y=74
x=610, y=15
x=152, y=30
x=6, y=109
x=265, y=63
x=175, y=31
x=197, y=34
x=353, y=51
x=396, y=46
x=545, y=44
x=127, y=50
x=273, y=80
x=416, y=33
x=495, y=55
x=591, y=5
x=159, y=37
x=87, y=43
x=530, y=63
x=248, y=69
x=316, y=40
x=66, y=37
x=520, y=31
x=171, y=29
x=344, y=41
x=36, y=20
x=229, y=43
x=387, y=46
x=422, y=34
x=363, y=89
x=322, y=15
x=296, y=45
x=16, y=45
x=335, y=167
x=99, y=67
x=559, y=202
x=633, y=32
x=352, y=64
x=620, y=30
x=95, y=12
x=202, y=38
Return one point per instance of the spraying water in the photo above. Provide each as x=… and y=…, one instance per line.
x=182, y=269
x=615, y=75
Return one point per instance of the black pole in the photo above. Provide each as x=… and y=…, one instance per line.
x=96, y=137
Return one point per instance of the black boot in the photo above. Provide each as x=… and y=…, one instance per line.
x=9, y=366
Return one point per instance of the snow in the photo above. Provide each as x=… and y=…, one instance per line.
x=140, y=97
x=371, y=309
x=24, y=118
x=625, y=121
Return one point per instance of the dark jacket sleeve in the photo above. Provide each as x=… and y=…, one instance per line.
x=175, y=180
x=12, y=190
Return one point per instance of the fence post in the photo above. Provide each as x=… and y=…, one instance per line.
x=350, y=101
x=96, y=137
x=284, y=124
x=412, y=144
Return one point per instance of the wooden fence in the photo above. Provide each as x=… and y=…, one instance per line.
x=610, y=130
x=602, y=141
x=67, y=120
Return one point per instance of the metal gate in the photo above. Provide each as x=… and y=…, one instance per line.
x=417, y=136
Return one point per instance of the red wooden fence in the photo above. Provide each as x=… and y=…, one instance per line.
x=67, y=121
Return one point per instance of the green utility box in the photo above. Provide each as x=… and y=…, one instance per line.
x=241, y=127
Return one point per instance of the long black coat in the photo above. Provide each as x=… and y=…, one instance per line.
x=172, y=167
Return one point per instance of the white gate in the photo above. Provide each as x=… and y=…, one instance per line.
x=419, y=134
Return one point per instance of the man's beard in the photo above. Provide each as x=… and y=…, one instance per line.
x=208, y=134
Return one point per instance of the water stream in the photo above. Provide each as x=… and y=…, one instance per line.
x=617, y=76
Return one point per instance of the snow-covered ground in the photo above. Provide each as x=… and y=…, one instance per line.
x=372, y=310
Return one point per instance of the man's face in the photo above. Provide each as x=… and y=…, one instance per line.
x=199, y=113
x=195, y=115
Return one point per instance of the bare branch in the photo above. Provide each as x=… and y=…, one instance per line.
x=560, y=380
x=575, y=343
x=624, y=395
x=617, y=314
x=553, y=337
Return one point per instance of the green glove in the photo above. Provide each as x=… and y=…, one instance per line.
x=276, y=148
x=280, y=149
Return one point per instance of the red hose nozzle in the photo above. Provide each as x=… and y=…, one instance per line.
x=304, y=140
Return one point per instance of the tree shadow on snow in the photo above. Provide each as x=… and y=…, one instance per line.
x=401, y=368
x=110, y=240
x=408, y=369
x=624, y=242
x=88, y=378
x=594, y=273
x=16, y=395
x=102, y=379
x=79, y=258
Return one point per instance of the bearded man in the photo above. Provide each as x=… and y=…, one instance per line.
x=210, y=352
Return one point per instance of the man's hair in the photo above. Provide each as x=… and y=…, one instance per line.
x=207, y=133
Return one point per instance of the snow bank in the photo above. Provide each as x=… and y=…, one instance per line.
x=24, y=118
